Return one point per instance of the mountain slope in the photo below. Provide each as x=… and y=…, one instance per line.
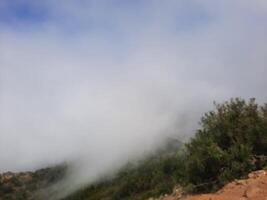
x=142, y=179
x=26, y=185
x=252, y=188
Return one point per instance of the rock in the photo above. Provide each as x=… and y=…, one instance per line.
x=241, y=182
x=257, y=174
x=253, y=188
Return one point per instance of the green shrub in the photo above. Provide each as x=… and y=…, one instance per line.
x=229, y=144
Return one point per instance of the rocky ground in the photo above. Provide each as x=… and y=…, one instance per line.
x=252, y=188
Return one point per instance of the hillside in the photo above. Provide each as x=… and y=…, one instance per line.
x=24, y=185
x=27, y=185
x=231, y=143
x=252, y=188
x=141, y=179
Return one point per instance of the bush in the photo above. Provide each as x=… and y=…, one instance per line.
x=229, y=144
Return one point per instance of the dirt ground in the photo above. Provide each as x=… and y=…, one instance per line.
x=253, y=188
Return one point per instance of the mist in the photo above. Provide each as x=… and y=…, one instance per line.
x=100, y=83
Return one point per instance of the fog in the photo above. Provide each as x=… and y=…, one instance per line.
x=99, y=83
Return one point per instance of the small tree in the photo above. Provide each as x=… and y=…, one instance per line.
x=228, y=145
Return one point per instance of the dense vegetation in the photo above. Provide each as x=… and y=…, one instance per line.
x=140, y=180
x=26, y=185
x=231, y=142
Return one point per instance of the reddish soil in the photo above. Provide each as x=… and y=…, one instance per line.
x=253, y=188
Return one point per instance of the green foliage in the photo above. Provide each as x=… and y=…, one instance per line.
x=231, y=142
x=151, y=177
x=25, y=185
x=228, y=145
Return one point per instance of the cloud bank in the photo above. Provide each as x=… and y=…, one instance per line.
x=103, y=82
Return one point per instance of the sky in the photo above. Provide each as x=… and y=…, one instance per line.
x=84, y=80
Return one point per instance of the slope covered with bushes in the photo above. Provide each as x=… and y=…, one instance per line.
x=27, y=185
x=151, y=176
x=231, y=141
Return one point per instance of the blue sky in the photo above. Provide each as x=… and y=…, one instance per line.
x=186, y=15
x=13, y=12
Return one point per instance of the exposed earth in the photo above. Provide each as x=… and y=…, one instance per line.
x=252, y=188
